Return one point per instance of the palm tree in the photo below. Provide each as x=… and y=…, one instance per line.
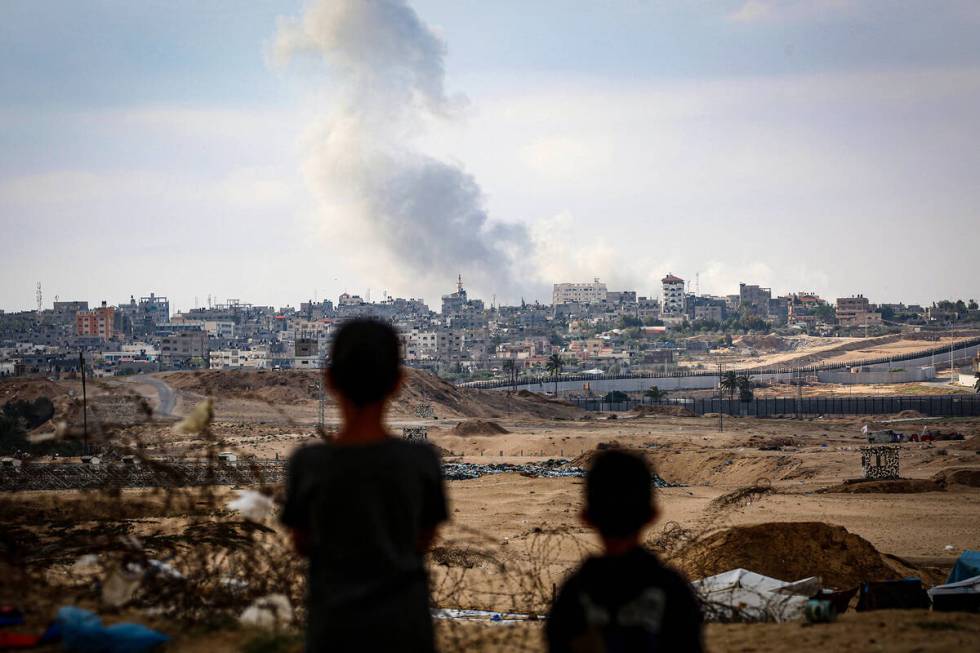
x=729, y=382
x=655, y=393
x=554, y=366
x=509, y=367
x=745, y=386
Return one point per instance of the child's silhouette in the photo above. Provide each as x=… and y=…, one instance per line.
x=625, y=599
x=364, y=508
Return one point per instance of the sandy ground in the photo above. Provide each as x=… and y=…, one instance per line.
x=531, y=525
x=811, y=350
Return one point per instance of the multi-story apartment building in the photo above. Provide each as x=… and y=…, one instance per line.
x=856, y=312
x=254, y=358
x=673, y=301
x=580, y=293
x=754, y=300
x=184, y=349
x=99, y=322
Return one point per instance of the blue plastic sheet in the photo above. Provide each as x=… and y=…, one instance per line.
x=82, y=632
x=967, y=566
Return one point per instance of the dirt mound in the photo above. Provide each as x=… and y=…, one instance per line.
x=275, y=386
x=768, y=344
x=478, y=427
x=967, y=477
x=890, y=486
x=671, y=411
x=909, y=414
x=584, y=459
x=301, y=386
x=971, y=444
x=788, y=551
x=449, y=400
x=29, y=389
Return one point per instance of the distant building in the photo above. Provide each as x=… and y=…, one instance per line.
x=97, y=323
x=252, y=358
x=155, y=309
x=754, y=300
x=621, y=297
x=856, y=312
x=184, y=349
x=580, y=293
x=673, y=301
x=65, y=312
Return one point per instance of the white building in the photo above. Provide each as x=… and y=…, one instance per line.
x=673, y=302
x=579, y=293
x=255, y=358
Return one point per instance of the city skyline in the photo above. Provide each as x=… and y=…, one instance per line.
x=193, y=150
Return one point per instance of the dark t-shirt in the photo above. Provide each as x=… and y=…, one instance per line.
x=364, y=508
x=630, y=602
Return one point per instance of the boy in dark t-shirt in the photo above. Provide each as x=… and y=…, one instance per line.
x=626, y=599
x=364, y=508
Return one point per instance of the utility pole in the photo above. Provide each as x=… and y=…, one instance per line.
x=721, y=405
x=81, y=367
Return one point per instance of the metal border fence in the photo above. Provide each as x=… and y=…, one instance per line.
x=932, y=406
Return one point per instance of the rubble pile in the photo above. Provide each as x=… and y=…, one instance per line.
x=551, y=468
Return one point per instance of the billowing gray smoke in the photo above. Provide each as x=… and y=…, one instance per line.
x=377, y=187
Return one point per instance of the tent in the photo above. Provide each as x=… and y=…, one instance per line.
x=742, y=595
x=962, y=596
x=967, y=566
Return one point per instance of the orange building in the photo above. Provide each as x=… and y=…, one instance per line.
x=96, y=323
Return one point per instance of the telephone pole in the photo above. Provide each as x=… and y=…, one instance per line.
x=81, y=368
x=721, y=404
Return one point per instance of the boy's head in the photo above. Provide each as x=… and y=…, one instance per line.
x=618, y=494
x=365, y=362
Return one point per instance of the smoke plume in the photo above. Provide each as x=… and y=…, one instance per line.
x=403, y=210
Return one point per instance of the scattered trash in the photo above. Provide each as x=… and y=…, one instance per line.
x=253, y=506
x=269, y=612
x=82, y=632
x=503, y=618
x=818, y=611
x=11, y=616
x=120, y=585
x=86, y=564
x=551, y=468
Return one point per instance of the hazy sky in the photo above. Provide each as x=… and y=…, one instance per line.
x=270, y=150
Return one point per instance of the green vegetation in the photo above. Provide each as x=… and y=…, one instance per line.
x=554, y=366
x=655, y=393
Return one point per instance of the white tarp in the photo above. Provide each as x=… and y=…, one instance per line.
x=968, y=586
x=594, y=372
x=742, y=595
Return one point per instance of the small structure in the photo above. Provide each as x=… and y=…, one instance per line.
x=879, y=463
x=91, y=460
x=228, y=457
x=10, y=463
x=423, y=410
x=419, y=433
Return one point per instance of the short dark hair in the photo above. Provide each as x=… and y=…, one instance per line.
x=365, y=361
x=618, y=493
